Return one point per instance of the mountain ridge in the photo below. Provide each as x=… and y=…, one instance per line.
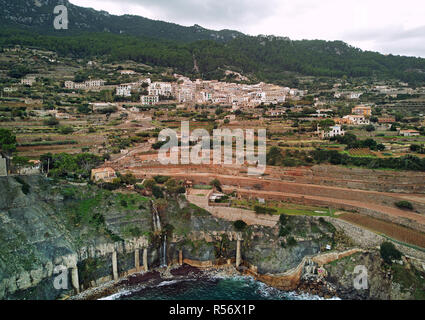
x=127, y=37
x=27, y=14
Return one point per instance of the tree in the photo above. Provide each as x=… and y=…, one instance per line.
x=389, y=252
x=404, y=205
x=173, y=187
x=239, y=225
x=274, y=157
x=370, y=128
x=157, y=192
x=52, y=121
x=7, y=144
x=217, y=184
x=128, y=179
x=66, y=129
x=380, y=147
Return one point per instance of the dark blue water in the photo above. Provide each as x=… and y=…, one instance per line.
x=236, y=288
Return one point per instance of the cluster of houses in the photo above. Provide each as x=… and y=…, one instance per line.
x=360, y=116
x=214, y=92
x=89, y=84
x=234, y=94
x=184, y=90
x=348, y=95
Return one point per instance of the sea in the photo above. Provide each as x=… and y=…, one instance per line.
x=215, y=288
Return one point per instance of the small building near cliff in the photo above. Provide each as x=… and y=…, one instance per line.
x=105, y=174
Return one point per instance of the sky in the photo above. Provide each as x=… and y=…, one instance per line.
x=386, y=26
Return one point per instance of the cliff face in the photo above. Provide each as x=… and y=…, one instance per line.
x=45, y=224
x=97, y=236
x=401, y=281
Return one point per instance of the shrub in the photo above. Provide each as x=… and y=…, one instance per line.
x=264, y=210
x=24, y=186
x=283, y=232
x=128, y=179
x=404, y=205
x=161, y=179
x=283, y=219
x=389, y=252
x=217, y=184
x=52, y=121
x=124, y=203
x=157, y=192
x=291, y=241
x=239, y=225
x=66, y=130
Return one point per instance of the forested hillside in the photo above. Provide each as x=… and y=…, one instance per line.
x=37, y=15
x=96, y=33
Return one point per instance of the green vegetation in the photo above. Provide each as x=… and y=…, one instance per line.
x=52, y=121
x=353, y=143
x=269, y=60
x=25, y=186
x=64, y=165
x=264, y=210
x=48, y=143
x=7, y=143
x=410, y=280
x=161, y=179
x=291, y=242
x=408, y=162
x=404, y=205
x=216, y=184
x=157, y=192
x=202, y=187
x=239, y=225
x=389, y=252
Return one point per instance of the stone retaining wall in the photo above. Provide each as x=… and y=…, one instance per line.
x=289, y=280
x=369, y=240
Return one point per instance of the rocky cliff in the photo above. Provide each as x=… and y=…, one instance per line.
x=98, y=236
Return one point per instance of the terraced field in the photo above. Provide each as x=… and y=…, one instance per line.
x=391, y=230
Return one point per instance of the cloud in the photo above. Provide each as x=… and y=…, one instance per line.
x=208, y=13
x=392, y=39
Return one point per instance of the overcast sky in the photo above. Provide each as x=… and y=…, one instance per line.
x=387, y=26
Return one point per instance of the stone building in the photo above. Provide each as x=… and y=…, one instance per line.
x=105, y=174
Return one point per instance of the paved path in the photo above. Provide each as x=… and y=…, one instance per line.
x=233, y=214
x=394, y=212
x=245, y=184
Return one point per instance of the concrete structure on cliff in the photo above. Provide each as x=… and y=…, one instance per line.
x=3, y=167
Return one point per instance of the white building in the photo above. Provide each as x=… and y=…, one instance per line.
x=160, y=88
x=69, y=84
x=84, y=85
x=357, y=120
x=185, y=95
x=409, y=133
x=149, y=100
x=123, y=91
x=9, y=89
x=127, y=72
x=94, y=83
x=334, y=131
x=28, y=81
x=355, y=95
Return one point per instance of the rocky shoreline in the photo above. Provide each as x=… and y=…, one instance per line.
x=135, y=282
x=153, y=278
